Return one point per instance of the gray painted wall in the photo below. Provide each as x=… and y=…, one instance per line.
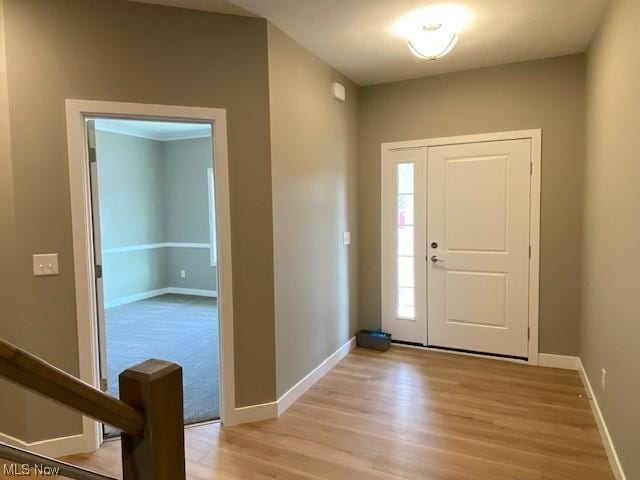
x=547, y=94
x=610, y=330
x=131, y=273
x=195, y=261
x=131, y=182
x=187, y=211
x=14, y=403
x=186, y=163
x=92, y=49
x=130, y=52
x=153, y=192
x=314, y=154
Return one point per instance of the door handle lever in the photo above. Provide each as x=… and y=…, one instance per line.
x=435, y=259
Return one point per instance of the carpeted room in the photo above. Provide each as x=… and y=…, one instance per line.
x=156, y=216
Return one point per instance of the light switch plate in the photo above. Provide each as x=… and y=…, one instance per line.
x=346, y=238
x=45, y=264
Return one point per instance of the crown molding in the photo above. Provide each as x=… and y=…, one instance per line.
x=164, y=137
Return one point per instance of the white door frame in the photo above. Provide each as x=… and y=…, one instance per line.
x=76, y=112
x=535, y=135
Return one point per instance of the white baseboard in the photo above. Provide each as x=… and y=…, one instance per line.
x=135, y=298
x=252, y=413
x=558, y=361
x=609, y=447
x=156, y=293
x=295, y=392
x=193, y=291
x=266, y=411
x=544, y=359
x=51, y=447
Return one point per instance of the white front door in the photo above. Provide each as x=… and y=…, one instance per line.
x=478, y=216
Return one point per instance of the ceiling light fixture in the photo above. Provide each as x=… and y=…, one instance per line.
x=432, y=41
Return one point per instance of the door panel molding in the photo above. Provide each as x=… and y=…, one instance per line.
x=387, y=154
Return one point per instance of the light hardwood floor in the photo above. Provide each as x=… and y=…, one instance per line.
x=409, y=414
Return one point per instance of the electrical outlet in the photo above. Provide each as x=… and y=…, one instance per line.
x=603, y=379
x=183, y=274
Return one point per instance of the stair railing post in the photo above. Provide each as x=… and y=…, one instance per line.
x=154, y=387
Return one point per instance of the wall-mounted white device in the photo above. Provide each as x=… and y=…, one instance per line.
x=338, y=92
x=346, y=238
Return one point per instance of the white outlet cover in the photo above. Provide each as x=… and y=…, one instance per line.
x=346, y=238
x=45, y=264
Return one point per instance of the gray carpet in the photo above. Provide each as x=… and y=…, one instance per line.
x=179, y=328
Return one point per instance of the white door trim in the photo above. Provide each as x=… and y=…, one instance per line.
x=535, y=135
x=76, y=112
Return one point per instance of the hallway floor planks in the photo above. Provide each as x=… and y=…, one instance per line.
x=410, y=414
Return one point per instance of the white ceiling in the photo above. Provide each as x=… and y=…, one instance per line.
x=356, y=36
x=162, y=131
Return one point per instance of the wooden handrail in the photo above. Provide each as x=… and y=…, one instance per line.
x=23, y=368
x=150, y=413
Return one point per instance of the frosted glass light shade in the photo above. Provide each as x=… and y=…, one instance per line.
x=432, y=42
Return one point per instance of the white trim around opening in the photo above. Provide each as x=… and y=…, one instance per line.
x=76, y=113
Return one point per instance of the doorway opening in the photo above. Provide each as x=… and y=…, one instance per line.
x=154, y=236
x=87, y=271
